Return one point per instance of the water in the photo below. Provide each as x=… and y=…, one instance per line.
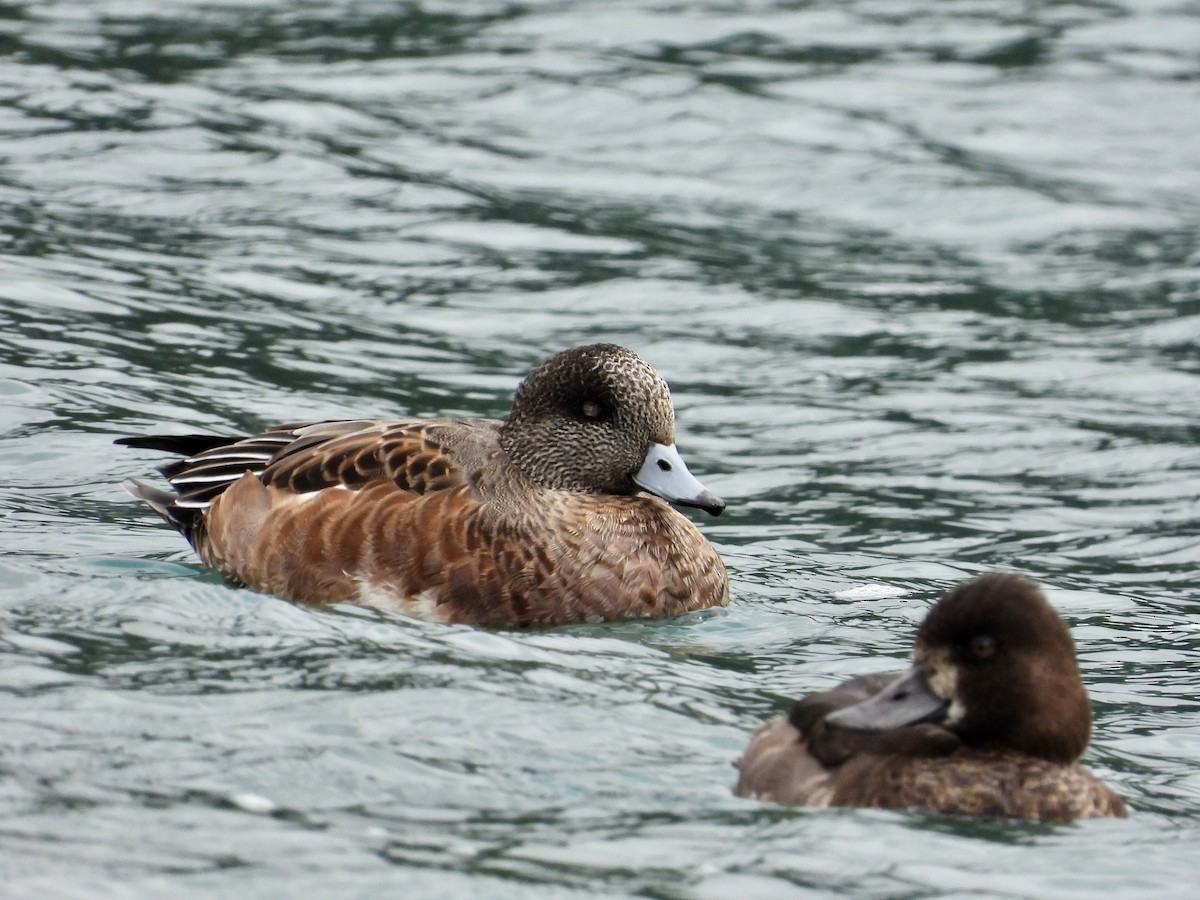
x=924, y=279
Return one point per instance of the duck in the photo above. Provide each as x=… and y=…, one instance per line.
x=990, y=720
x=563, y=512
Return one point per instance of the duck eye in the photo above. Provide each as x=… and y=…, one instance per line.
x=590, y=409
x=983, y=646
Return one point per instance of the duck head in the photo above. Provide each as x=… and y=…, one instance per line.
x=599, y=419
x=994, y=664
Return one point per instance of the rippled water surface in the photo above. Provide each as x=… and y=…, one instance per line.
x=924, y=278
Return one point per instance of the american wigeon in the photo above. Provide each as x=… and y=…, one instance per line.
x=991, y=720
x=545, y=517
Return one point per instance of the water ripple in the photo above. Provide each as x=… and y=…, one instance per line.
x=924, y=282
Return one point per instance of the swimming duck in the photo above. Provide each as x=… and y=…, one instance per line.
x=546, y=517
x=990, y=720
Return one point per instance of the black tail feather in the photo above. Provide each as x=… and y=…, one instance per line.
x=163, y=502
x=183, y=444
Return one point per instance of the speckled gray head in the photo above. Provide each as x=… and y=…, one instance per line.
x=599, y=419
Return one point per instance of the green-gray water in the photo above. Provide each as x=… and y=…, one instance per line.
x=924, y=278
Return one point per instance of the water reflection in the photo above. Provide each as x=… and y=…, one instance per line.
x=924, y=283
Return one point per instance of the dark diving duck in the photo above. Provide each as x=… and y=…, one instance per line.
x=990, y=721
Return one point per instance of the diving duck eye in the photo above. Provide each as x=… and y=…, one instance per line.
x=983, y=646
x=590, y=409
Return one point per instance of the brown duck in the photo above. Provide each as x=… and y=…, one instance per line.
x=991, y=720
x=546, y=517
